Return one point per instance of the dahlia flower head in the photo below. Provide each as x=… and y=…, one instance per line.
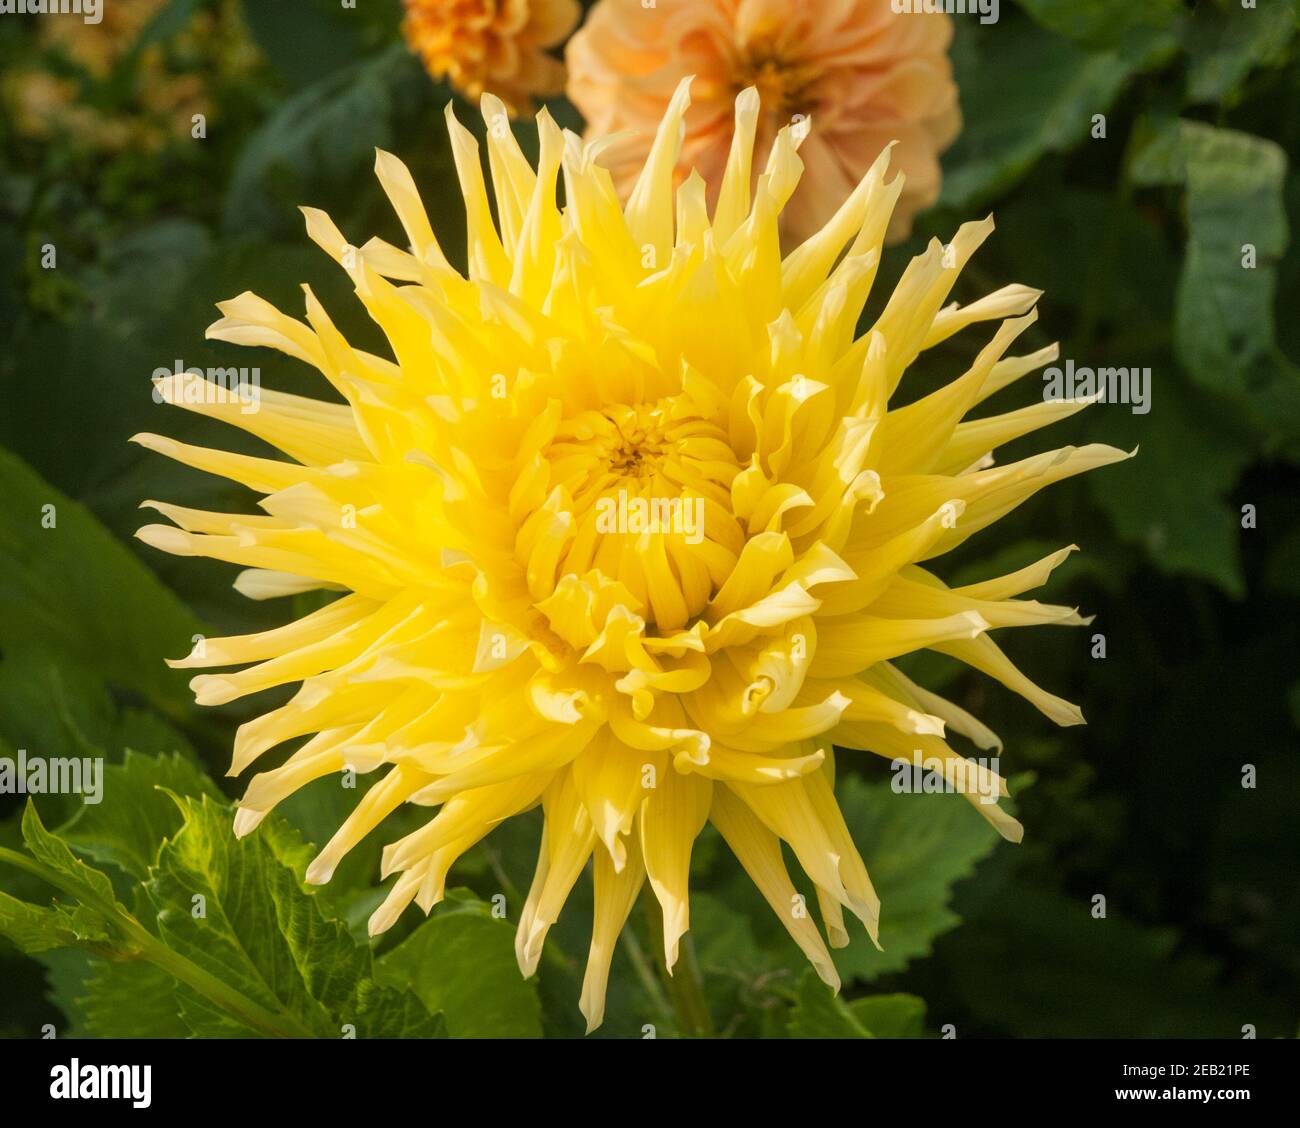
x=510, y=634
x=497, y=46
x=867, y=75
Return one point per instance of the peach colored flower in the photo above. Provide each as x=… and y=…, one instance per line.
x=498, y=46
x=864, y=74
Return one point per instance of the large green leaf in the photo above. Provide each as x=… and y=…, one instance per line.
x=129, y=999
x=33, y=929
x=268, y=962
x=51, y=705
x=1103, y=22
x=66, y=584
x=53, y=708
x=305, y=39
x=461, y=961
x=1027, y=93
x=891, y=1016
x=1223, y=325
x=319, y=144
x=259, y=931
x=50, y=850
x=123, y=996
x=87, y=920
x=1172, y=498
x=1226, y=41
x=136, y=815
x=916, y=848
x=1104, y=257
x=819, y=1014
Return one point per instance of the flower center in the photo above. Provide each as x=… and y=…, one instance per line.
x=658, y=448
x=782, y=85
x=646, y=489
x=641, y=444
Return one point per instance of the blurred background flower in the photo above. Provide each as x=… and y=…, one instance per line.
x=865, y=76
x=495, y=45
x=114, y=85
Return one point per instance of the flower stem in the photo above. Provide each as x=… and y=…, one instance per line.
x=641, y=966
x=684, y=985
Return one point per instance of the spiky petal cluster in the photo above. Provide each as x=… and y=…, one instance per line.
x=510, y=637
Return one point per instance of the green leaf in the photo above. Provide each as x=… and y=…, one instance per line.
x=33, y=929
x=83, y=881
x=916, y=848
x=153, y=295
x=136, y=815
x=66, y=970
x=891, y=1016
x=318, y=810
x=819, y=1014
x=148, y=734
x=1028, y=93
x=1223, y=324
x=83, y=922
x=1226, y=41
x=130, y=999
x=724, y=938
x=60, y=715
x=305, y=39
x=257, y=930
x=322, y=139
x=112, y=998
x=53, y=708
x=461, y=961
x=1170, y=499
x=1103, y=23
x=1105, y=256
x=115, y=619
x=50, y=705
x=241, y=948
x=748, y=964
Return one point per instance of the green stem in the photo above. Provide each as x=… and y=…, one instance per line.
x=685, y=986
x=641, y=966
x=179, y=967
x=552, y=952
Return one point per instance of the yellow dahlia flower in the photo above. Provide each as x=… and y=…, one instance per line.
x=493, y=46
x=865, y=75
x=627, y=530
